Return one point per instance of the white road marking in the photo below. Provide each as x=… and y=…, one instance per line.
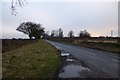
x=71, y=60
x=64, y=54
x=115, y=60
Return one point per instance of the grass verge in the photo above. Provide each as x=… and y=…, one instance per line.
x=110, y=47
x=36, y=60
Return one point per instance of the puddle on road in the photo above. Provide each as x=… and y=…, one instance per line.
x=65, y=54
x=73, y=71
x=72, y=68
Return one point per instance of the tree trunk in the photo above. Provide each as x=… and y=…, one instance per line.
x=30, y=36
x=36, y=37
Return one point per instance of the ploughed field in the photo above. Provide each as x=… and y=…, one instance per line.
x=12, y=44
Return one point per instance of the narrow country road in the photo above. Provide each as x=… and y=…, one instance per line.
x=105, y=61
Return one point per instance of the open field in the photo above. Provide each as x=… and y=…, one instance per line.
x=36, y=60
x=12, y=44
x=110, y=45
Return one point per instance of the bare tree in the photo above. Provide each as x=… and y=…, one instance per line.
x=60, y=31
x=31, y=29
x=84, y=34
x=46, y=35
x=71, y=34
x=16, y=3
x=52, y=33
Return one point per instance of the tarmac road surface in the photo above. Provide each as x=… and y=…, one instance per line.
x=102, y=60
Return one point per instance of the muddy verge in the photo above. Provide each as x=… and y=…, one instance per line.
x=72, y=67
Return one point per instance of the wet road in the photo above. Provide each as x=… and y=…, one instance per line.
x=102, y=60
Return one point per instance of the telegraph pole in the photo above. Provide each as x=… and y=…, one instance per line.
x=111, y=33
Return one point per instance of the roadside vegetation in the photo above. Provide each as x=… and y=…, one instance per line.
x=110, y=47
x=36, y=60
x=106, y=45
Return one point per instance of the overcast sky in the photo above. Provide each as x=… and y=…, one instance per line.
x=98, y=18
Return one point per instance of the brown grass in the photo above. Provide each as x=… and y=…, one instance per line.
x=12, y=44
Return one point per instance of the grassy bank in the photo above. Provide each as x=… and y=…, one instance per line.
x=110, y=47
x=36, y=60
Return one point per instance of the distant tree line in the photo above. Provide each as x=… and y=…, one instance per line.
x=59, y=33
x=35, y=30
